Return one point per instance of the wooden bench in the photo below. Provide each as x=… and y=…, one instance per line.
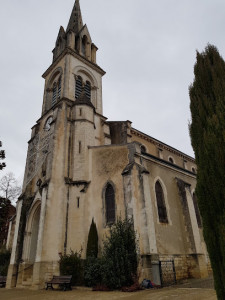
x=2, y=281
x=63, y=281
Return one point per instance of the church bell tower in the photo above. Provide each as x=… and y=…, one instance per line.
x=57, y=173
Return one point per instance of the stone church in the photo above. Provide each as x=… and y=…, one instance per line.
x=80, y=167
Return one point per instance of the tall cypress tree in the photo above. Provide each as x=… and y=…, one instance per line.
x=207, y=131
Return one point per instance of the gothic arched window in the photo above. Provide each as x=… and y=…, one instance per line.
x=197, y=212
x=78, y=88
x=87, y=89
x=160, y=203
x=110, y=204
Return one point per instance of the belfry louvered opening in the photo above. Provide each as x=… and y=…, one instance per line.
x=78, y=88
x=54, y=94
x=87, y=89
x=59, y=87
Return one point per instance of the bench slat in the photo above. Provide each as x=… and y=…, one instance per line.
x=64, y=280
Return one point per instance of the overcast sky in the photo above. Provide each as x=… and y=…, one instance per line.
x=146, y=47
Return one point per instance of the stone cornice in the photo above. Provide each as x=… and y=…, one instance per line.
x=161, y=145
x=166, y=164
x=84, y=120
x=78, y=183
x=101, y=116
x=127, y=170
x=68, y=101
x=75, y=54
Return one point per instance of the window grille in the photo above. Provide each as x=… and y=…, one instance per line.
x=78, y=88
x=197, y=212
x=59, y=88
x=54, y=94
x=110, y=204
x=161, y=203
x=87, y=89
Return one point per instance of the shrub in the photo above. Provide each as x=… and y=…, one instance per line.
x=93, y=271
x=120, y=255
x=118, y=265
x=72, y=264
x=4, y=261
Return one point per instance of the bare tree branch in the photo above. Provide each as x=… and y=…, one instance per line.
x=9, y=187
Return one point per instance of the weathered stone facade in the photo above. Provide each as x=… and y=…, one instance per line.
x=73, y=155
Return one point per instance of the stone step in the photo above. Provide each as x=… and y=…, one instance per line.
x=27, y=283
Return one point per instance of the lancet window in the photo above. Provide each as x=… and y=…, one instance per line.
x=110, y=204
x=162, y=213
x=197, y=212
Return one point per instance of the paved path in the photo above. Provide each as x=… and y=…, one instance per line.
x=193, y=289
x=83, y=294
x=206, y=283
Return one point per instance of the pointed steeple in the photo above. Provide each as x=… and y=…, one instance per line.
x=75, y=23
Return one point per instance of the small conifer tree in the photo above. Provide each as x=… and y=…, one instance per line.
x=118, y=264
x=207, y=131
x=92, y=244
x=120, y=255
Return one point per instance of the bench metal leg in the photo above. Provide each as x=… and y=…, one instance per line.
x=49, y=285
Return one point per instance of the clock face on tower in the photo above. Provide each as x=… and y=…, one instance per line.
x=48, y=123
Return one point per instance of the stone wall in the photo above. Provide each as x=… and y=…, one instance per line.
x=186, y=266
